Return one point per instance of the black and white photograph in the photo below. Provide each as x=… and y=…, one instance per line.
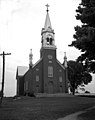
x=47, y=60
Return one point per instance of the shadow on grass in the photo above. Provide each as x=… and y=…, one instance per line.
x=89, y=96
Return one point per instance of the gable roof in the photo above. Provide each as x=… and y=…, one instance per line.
x=37, y=62
x=21, y=70
x=60, y=64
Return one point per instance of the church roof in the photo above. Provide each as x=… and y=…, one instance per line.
x=21, y=70
x=37, y=62
x=60, y=64
x=47, y=22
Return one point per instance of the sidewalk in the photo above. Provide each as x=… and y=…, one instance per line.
x=73, y=116
x=88, y=115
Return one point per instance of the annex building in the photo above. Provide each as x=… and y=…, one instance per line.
x=48, y=75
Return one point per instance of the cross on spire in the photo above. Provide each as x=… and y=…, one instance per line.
x=47, y=7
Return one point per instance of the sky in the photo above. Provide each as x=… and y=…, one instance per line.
x=21, y=22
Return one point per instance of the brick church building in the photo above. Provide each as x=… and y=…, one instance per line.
x=48, y=75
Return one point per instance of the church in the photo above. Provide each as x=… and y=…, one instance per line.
x=48, y=75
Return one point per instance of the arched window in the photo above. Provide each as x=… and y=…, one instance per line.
x=51, y=41
x=26, y=85
x=37, y=78
x=60, y=79
x=50, y=71
x=48, y=41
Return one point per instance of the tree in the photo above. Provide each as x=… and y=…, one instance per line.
x=77, y=75
x=0, y=93
x=85, y=34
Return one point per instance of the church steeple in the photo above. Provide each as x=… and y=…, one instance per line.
x=47, y=33
x=47, y=21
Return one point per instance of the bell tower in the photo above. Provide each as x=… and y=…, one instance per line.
x=48, y=35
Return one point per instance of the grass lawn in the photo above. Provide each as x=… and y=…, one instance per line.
x=49, y=108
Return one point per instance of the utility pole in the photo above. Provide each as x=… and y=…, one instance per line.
x=2, y=89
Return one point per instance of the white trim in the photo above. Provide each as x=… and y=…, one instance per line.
x=49, y=47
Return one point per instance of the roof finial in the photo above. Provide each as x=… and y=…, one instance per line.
x=65, y=60
x=30, y=58
x=65, y=55
x=47, y=7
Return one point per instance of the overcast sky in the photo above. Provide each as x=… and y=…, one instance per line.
x=21, y=22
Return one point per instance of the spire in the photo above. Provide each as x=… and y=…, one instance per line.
x=47, y=21
x=30, y=58
x=65, y=60
x=48, y=40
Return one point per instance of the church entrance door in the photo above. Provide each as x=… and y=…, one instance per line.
x=50, y=87
x=37, y=89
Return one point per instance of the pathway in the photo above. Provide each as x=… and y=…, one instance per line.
x=74, y=116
